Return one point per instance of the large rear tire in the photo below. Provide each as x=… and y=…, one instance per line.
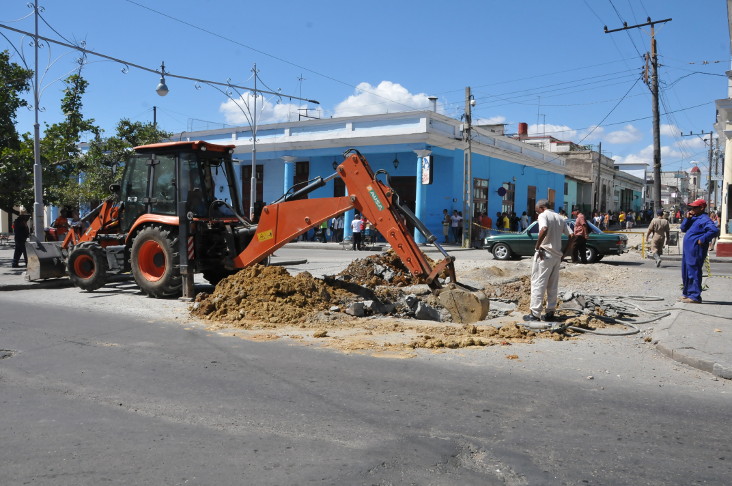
x=87, y=266
x=155, y=262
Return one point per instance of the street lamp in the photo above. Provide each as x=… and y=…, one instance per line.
x=162, y=88
x=396, y=161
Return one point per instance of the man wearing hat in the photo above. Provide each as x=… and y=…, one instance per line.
x=700, y=230
x=659, y=230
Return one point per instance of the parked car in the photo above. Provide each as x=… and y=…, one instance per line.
x=504, y=246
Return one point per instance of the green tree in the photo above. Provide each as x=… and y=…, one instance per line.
x=101, y=164
x=16, y=163
x=61, y=154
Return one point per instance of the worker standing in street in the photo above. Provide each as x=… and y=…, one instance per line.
x=659, y=230
x=700, y=230
x=356, y=229
x=545, y=265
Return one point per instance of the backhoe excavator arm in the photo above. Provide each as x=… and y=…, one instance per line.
x=281, y=222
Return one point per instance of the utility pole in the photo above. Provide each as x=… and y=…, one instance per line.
x=654, y=92
x=38, y=208
x=468, y=171
x=599, y=171
x=253, y=181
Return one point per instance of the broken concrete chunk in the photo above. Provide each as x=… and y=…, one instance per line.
x=356, y=309
x=411, y=301
x=426, y=313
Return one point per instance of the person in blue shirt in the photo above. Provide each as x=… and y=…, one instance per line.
x=700, y=231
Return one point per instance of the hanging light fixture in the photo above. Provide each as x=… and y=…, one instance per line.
x=162, y=88
x=396, y=161
x=335, y=164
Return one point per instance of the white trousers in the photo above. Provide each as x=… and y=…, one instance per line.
x=544, y=280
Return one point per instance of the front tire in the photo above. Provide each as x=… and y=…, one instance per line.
x=592, y=256
x=155, y=262
x=87, y=266
x=501, y=251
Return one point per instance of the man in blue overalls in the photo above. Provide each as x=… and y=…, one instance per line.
x=700, y=230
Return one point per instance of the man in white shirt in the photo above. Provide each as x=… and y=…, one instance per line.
x=356, y=229
x=545, y=265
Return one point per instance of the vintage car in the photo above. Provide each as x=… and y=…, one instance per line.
x=504, y=246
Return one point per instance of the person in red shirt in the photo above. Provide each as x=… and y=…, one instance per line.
x=581, y=232
x=486, y=224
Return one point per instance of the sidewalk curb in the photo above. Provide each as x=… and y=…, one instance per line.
x=683, y=353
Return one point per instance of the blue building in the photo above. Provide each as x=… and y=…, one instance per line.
x=505, y=174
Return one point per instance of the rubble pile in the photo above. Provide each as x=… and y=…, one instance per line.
x=375, y=270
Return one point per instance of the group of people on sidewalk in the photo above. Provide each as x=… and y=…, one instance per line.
x=700, y=232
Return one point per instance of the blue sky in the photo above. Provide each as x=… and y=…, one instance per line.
x=546, y=63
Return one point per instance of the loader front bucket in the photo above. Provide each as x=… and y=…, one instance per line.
x=45, y=260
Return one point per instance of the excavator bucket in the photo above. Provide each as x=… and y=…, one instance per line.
x=465, y=305
x=45, y=260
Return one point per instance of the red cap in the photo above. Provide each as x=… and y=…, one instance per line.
x=698, y=203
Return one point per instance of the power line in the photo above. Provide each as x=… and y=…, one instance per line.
x=143, y=68
x=280, y=59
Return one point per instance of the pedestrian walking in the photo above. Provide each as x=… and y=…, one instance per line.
x=700, y=230
x=581, y=233
x=545, y=264
x=20, y=235
x=658, y=232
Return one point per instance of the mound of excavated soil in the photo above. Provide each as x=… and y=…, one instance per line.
x=261, y=299
x=382, y=269
x=268, y=294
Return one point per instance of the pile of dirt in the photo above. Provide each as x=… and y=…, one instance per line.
x=381, y=269
x=268, y=294
x=518, y=291
x=398, y=313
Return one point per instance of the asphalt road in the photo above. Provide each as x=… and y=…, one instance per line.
x=95, y=396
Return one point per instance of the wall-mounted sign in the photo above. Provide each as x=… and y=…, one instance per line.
x=427, y=170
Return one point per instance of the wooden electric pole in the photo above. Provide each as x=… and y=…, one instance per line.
x=653, y=84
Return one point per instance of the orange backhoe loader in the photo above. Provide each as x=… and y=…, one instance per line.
x=177, y=213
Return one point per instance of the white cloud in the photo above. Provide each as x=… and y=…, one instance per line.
x=629, y=134
x=387, y=97
x=565, y=133
x=670, y=130
x=691, y=143
x=645, y=155
x=562, y=132
x=267, y=110
x=494, y=120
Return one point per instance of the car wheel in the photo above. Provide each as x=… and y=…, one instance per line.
x=501, y=251
x=592, y=256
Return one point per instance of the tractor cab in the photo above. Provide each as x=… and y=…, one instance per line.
x=157, y=177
